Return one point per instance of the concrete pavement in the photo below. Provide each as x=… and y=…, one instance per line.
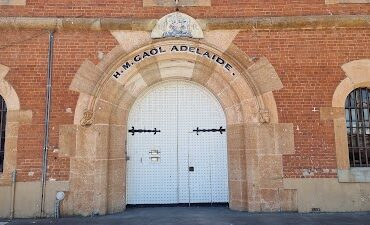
x=206, y=216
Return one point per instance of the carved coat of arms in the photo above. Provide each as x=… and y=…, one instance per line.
x=177, y=25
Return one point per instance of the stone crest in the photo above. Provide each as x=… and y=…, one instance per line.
x=264, y=116
x=177, y=25
x=88, y=118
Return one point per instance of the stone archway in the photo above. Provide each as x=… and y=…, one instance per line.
x=256, y=141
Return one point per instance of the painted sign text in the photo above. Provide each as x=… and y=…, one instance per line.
x=220, y=61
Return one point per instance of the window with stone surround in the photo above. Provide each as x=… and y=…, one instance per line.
x=358, y=127
x=3, y=111
x=12, y=2
x=350, y=99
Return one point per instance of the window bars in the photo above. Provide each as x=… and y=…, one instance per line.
x=358, y=128
x=2, y=129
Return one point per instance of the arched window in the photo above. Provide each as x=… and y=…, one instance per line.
x=357, y=108
x=2, y=130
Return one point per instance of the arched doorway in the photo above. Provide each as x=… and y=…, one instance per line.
x=106, y=99
x=176, y=146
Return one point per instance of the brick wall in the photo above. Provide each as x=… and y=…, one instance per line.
x=307, y=61
x=70, y=50
x=220, y=8
x=25, y=52
x=309, y=65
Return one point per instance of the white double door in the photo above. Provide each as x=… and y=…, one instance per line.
x=176, y=164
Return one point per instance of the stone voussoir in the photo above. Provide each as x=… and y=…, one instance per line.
x=86, y=78
x=265, y=76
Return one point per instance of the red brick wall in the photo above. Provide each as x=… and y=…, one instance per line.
x=307, y=61
x=25, y=52
x=220, y=8
x=70, y=50
x=309, y=65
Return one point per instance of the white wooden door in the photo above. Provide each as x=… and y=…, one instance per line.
x=190, y=167
x=152, y=180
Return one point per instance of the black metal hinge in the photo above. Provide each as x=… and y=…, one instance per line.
x=133, y=131
x=221, y=130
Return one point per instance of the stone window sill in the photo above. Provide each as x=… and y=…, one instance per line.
x=354, y=175
x=346, y=1
x=12, y=2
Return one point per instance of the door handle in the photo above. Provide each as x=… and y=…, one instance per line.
x=191, y=168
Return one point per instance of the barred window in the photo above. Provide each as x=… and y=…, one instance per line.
x=2, y=129
x=358, y=127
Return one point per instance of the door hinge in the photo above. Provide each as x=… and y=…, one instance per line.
x=133, y=131
x=221, y=130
